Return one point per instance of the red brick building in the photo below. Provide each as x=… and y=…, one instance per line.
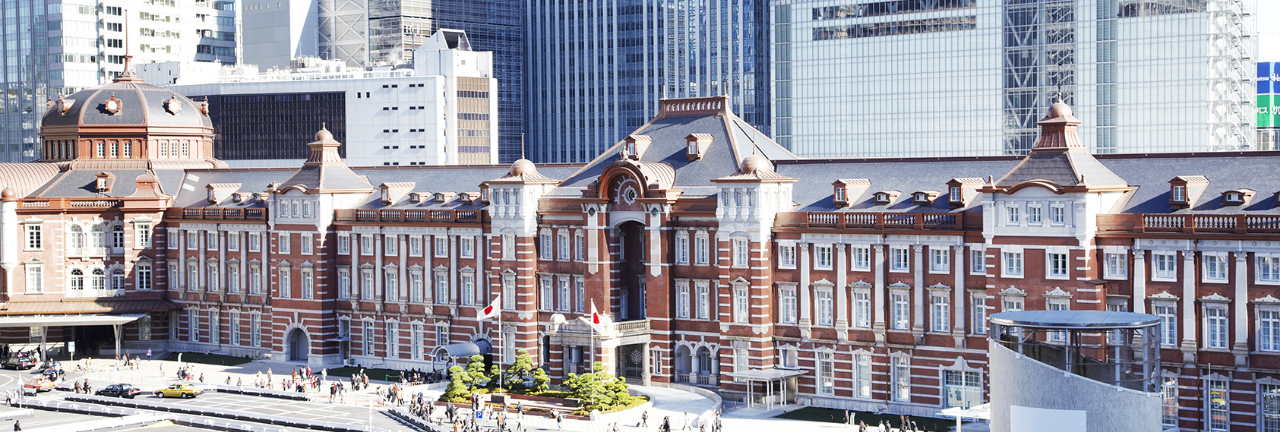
x=712, y=251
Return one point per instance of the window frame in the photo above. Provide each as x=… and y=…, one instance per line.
x=1011, y=263
x=899, y=259
x=1057, y=264
x=1215, y=267
x=1158, y=260
x=939, y=260
x=823, y=257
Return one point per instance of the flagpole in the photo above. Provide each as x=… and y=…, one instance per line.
x=501, y=377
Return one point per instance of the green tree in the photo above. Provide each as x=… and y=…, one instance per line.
x=598, y=390
x=459, y=386
x=475, y=369
x=541, y=382
x=519, y=370
x=496, y=380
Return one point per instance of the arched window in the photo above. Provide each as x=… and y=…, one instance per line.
x=704, y=361
x=117, y=279
x=77, y=280
x=77, y=239
x=99, y=279
x=117, y=236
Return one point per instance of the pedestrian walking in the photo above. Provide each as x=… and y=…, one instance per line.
x=666, y=424
x=686, y=421
x=644, y=419
x=862, y=426
x=520, y=409
x=17, y=425
x=559, y=421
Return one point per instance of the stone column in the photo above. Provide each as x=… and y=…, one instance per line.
x=646, y=372
x=805, y=322
x=1188, y=307
x=842, y=291
x=1139, y=281
x=1240, y=313
x=917, y=317
x=878, y=326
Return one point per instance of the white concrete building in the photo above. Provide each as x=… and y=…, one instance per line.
x=441, y=111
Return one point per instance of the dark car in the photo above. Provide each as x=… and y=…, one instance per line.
x=53, y=372
x=19, y=363
x=120, y=390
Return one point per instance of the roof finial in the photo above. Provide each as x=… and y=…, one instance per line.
x=324, y=125
x=127, y=74
x=521, y=145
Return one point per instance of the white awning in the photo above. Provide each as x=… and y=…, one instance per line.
x=467, y=349
x=980, y=412
x=770, y=374
x=66, y=320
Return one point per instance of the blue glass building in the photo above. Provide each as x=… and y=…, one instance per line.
x=596, y=69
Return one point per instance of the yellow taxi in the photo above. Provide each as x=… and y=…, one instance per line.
x=179, y=390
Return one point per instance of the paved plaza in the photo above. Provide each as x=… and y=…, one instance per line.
x=364, y=408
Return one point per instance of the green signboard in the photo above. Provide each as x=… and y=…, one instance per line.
x=1267, y=110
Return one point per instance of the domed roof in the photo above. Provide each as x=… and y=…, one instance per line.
x=523, y=166
x=752, y=163
x=1059, y=109
x=125, y=102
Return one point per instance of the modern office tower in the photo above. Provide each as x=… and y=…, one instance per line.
x=966, y=77
x=1268, y=98
x=597, y=69
x=278, y=31
x=54, y=48
x=440, y=112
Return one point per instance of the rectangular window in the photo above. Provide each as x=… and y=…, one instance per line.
x=1012, y=303
x=941, y=312
x=34, y=239
x=233, y=241
x=193, y=240
x=563, y=249
x=547, y=296
x=826, y=314
x=35, y=278
x=1057, y=304
x=963, y=389
x=366, y=244
x=787, y=304
x=1215, y=267
x=787, y=257
x=1033, y=215
x=285, y=287
x=344, y=244
x=977, y=261
x=366, y=284
x=1165, y=266
x=1215, y=327
x=580, y=247
x=509, y=299
x=740, y=252
x=979, y=314
x=1057, y=215
x=565, y=297
x=283, y=243
x=415, y=246
x=1014, y=215
x=1168, y=325
x=862, y=376
x=442, y=336
x=1268, y=269
x=390, y=244
x=442, y=288
x=193, y=330
x=255, y=330
x=307, y=243
x=741, y=304
x=1117, y=267
x=704, y=301
x=861, y=258
x=901, y=379
x=468, y=288
x=1057, y=265
x=415, y=341
x=344, y=283
x=1217, y=402
x=1268, y=330
x=1269, y=397
x=211, y=240
x=545, y=246
x=822, y=257
x=442, y=246
x=1012, y=263
x=826, y=374
x=901, y=311
x=255, y=279
x=193, y=276
x=579, y=293
x=682, y=248
x=144, y=327
x=862, y=309
x=142, y=235
x=1178, y=194
x=235, y=328
x=233, y=277
x=416, y=287
x=898, y=259
x=366, y=342
x=393, y=339
x=144, y=276
x=508, y=247
x=702, y=249
x=255, y=242
x=467, y=246
x=1169, y=402
x=940, y=260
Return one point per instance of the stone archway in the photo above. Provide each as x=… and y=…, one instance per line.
x=299, y=345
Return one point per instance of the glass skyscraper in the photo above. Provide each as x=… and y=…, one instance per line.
x=58, y=47
x=596, y=69
x=971, y=77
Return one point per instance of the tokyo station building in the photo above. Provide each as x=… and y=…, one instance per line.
x=719, y=258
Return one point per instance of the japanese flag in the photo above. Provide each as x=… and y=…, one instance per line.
x=492, y=309
x=595, y=318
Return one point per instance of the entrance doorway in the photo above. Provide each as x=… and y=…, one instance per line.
x=90, y=338
x=631, y=362
x=298, y=345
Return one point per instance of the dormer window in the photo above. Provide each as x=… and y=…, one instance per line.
x=1186, y=190
x=882, y=198
x=698, y=144
x=1237, y=197
x=386, y=196
x=841, y=195
x=1178, y=194
x=257, y=197
x=848, y=190
x=415, y=198
x=923, y=197
x=956, y=194
x=102, y=182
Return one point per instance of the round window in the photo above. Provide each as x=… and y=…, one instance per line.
x=629, y=195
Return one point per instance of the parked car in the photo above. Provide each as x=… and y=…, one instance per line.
x=180, y=390
x=53, y=372
x=120, y=390
x=19, y=363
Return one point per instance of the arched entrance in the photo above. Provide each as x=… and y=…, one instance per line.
x=298, y=345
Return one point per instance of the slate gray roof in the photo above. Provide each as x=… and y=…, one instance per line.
x=1150, y=174
x=82, y=183
x=814, y=192
x=1065, y=168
